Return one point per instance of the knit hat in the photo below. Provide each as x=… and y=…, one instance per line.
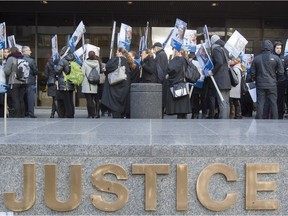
x=157, y=44
x=214, y=38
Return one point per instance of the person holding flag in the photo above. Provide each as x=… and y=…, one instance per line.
x=220, y=73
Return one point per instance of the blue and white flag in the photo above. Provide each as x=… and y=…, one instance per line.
x=76, y=37
x=167, y=38
x=125, y=36
x=206, y=36
x=2, y=35
x=204, y=60
x=286, y=48
x=178, y=34
x=11, y=41
x=54, y=42
x=141, y=45
x=247, y=60
x=190, y=40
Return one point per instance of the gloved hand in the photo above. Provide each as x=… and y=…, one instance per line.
x=202, y=77
x=210, y=73
x=56, y=61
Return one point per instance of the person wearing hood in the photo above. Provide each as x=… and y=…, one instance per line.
x=91, y=91
x=66, y=107
x=220, y=72
x=281, y=81
x=265, y=69
x=235, y=93
x=17, y=87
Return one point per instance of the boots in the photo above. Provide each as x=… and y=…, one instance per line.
x=97, y=110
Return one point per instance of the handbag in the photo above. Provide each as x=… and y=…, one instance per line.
x=179, y=90
x=233, y=75
x=244, y=87
x=102, y=78
x=118, y=75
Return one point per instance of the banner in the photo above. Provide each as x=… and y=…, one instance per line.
x=76, y=37
x=190, y=40
x=286, y=49
x=11, y=41
x=206, y=36
x=2, y=35
x=204, y=59
x=178, y=34
x=236, y=44
x=87, y=48
x=54, y=42
x=247, y=60
x=125, y=36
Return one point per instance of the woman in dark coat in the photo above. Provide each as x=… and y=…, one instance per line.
x=148, y=63
x=175, y=71
x=51, y=83
x=115, y=96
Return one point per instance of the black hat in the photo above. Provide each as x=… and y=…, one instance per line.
x=158, y=44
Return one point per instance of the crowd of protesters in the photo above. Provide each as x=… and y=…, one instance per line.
x=269, y=72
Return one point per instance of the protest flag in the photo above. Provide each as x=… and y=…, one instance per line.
x=2, y=35
x=167, y=38
x=286, y=49
x=54, y=42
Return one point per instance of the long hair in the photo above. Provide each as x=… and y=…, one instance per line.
x=129, y=59
x=93, y=56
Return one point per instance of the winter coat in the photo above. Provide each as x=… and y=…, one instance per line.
x=220, y=70
x=50, y=75
x=266, y=67
x=33, y=69
x=87, y=66
x=10, y=68
x=64, y=66
x=236, y=91
x=161, y=64
x=114, y=96
x=135, y=73
x=175, y=70
x=149, y=73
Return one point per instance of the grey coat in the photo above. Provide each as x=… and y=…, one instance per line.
x=10, y=69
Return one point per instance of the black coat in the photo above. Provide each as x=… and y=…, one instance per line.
x=161, y=65
x=266, y=67
x=33, y=69
x=50, y=75
x=149, y=73
x=114, y=96
x=175, y=70
x=220, y=70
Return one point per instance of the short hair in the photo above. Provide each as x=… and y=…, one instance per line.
x=24, y=48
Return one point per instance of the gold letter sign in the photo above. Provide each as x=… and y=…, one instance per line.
x=203, y=184
x=75, y=188
x=110, y=187
x=29, y=191
x=150, y=171
x=253, y=186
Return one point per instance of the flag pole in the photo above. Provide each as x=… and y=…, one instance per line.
x=112, y=39
x=217, y=89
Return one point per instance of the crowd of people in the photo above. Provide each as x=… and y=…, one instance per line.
x=269, y=71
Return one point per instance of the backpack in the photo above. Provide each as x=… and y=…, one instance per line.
x=191, y=73
x=23, y=70
x=75, y=76
x=93, y=77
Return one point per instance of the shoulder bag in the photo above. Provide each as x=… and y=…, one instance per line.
x=233, y=75
x=118, y=75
